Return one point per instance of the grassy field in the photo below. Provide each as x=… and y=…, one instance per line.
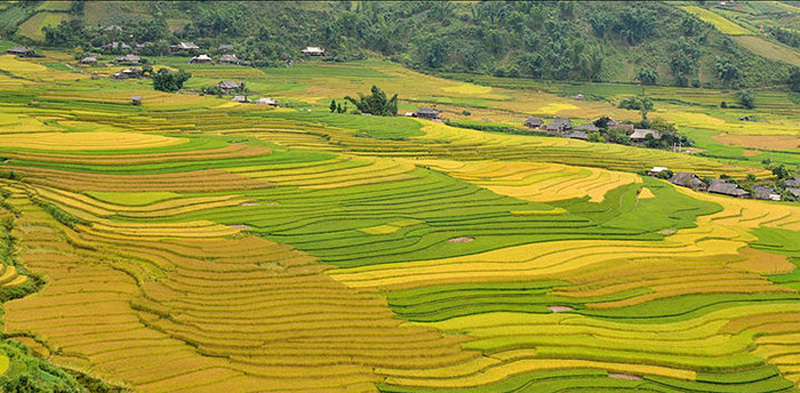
x=722, y=24
x=32, y=28
x=770, y=50
x=193, y=244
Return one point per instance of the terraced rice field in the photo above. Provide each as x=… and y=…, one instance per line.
x=191, y=246
x=722, y=24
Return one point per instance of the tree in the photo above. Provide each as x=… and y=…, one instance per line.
x=781, y=172
x=602, y=123
x=375, y=103
x=647, y=76
x=747, y=99
x=794, y=80
x=166, y=80
x=434, y=51
x=333, y=106
x=640, y=103
x=727, y=71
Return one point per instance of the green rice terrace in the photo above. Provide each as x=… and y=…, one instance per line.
x=233, y=226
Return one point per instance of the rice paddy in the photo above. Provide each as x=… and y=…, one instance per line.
x=722, y=24
x=192, y=246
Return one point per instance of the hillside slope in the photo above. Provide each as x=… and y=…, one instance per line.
x=661, y=42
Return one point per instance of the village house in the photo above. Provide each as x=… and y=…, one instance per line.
x=578, y=135
x=225, y=47
x=229, y=59
x=766, y=193
x=560, y=124
x=534, y=122
x=657, y=170
x=133, y=72
x=314, y=51
x=793, y=182
x=202, y=59
x=688, y=180
x=112, y=28
x=229, y=86
x=267, y=101
x=427, y=113
x=183, y=47
x=89, y=60
x=241, y=99
x=722, y=187
x=136, y=100
x=588, y=127
x=114, y=45
x=20, y=51
x=640, y=135
x=578, y=97
x=128, y=59
x=139, y=47
x=795, y=191
x=613, y=123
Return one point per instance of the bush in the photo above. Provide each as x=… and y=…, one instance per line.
x=168, y=81
x=375, y=103
x=747, y=99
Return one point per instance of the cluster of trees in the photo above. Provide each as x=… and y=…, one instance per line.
x=593, y=41
x=169, y=81
x=375, y=103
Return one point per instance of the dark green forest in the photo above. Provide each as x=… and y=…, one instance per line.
x=644, y=42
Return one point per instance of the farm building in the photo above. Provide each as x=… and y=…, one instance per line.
x=136, y=100
x=314, y=51
x=689, y=180
x=139, y=47
x=202, y=59
x=19, y=51
x=229, y=59
x=228, y=86
x=225, y=47
x=427, y=113
x=534, y=122
x=133, y=72
x=184, y=47
x=560, y=124
x=724, y=188
x=128, y=59
x=766, y=193
x=640, y=135
x=578, y=135
x=116, y=45
x=267, y=101
x=578, y=97
x=793, y=182
x=656, y=170
x=795, y=191
x=613, y=123
x=588, y=127
x=241, y=99
x=89, y=60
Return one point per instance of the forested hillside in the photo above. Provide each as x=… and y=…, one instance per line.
x=648, y=42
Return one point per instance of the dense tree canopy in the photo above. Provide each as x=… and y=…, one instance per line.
x=592, y=41
x=375, y=103
x=166, y=80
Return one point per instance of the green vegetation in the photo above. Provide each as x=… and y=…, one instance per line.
x=166, y=80
x=601, y=41
x=193, y=243
x=375, y=103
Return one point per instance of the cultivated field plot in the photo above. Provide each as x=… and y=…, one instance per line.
x=190, y=245
x=722, y=24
